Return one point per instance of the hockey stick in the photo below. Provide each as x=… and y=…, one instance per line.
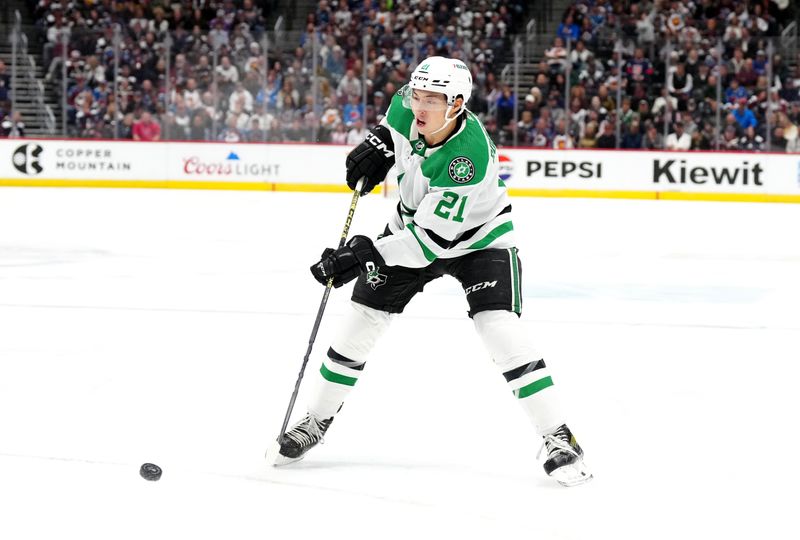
x=320, y=311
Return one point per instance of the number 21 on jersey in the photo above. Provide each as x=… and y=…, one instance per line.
x=445, y=207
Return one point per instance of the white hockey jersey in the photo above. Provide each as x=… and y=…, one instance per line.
x=452, y=201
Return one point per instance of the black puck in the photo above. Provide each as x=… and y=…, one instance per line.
x=150, y=471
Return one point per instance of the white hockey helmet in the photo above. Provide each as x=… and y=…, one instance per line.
x=446, y=76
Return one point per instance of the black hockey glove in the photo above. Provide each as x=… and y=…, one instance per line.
x=346, y=263
x=371, y=159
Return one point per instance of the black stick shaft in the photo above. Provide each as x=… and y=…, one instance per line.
x=320, y=311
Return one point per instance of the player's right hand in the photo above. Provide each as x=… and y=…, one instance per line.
x=371, y=159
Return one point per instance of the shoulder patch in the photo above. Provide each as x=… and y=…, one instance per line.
x=461, y=170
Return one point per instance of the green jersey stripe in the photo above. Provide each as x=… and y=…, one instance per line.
x=336, y=377
x=493, y=235
x=429, y=255
x=534, y=387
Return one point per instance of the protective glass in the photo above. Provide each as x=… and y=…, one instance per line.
x=430, y=102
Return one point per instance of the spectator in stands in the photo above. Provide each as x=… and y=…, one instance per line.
x=744, y=116
x=12, y=126
x=562, y=140
x=679, y=84
x=231, y=133
x=339, y=134
x=146, y=129
x=568, y=29
x=643, y=114
x=632, y=138
x=525, y=127
x=639, y=69
x=5, y=86
x=353, y=111
x=729, y=140
x=126, y=127
x=734, y=93
x=645, y=28
x=542, y=134
x=608, y=138
x=191, y=95
x=505, y=106
x=183, y=121
x=664, y=103
x=380, y=104
x=357, y=133
x=589, y=140
x=201, y=126
x=227, y=75
x=652, y=139
x=747, y=75
x=335, y=64
x=678, y=139
x=556, y=55
x=350, y=85
x=242, y=96
x=704, y=139
x=778, y=142
x=751, y=141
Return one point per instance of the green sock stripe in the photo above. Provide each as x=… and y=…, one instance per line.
x=534, y=387
x=329, y=375
x=516, y=303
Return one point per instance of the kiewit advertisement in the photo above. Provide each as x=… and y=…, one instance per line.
x=311, y=167
x=634, y=174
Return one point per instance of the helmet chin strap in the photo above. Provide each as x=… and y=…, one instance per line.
x=447, y=119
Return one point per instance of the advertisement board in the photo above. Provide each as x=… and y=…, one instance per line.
x=665, y=175
x=57, y=162
x=320, y=167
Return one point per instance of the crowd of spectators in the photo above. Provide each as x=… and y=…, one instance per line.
x=664, y=60
x=11, y=125
x=654, y=66
x=254, y=101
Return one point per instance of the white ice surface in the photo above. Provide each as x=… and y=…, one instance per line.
x=169, y=326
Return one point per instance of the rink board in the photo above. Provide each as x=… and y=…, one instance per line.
x=710, y=176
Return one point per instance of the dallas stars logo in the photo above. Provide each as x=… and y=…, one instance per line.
x=374, y=278
x=461, y=170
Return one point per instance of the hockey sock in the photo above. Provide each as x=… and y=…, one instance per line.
x=523, y=368
x=346, y=358
x=337, y=376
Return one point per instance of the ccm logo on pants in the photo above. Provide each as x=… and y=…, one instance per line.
x=479, y=286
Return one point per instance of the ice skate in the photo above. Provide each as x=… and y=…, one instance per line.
x=301, y=438
x=564, y=458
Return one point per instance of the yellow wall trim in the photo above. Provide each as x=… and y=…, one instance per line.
x=333, y=188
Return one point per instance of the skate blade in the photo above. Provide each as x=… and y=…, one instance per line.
x=273, y=456
x=572, y=475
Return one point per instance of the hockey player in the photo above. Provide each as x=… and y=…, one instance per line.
x=453, y=218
